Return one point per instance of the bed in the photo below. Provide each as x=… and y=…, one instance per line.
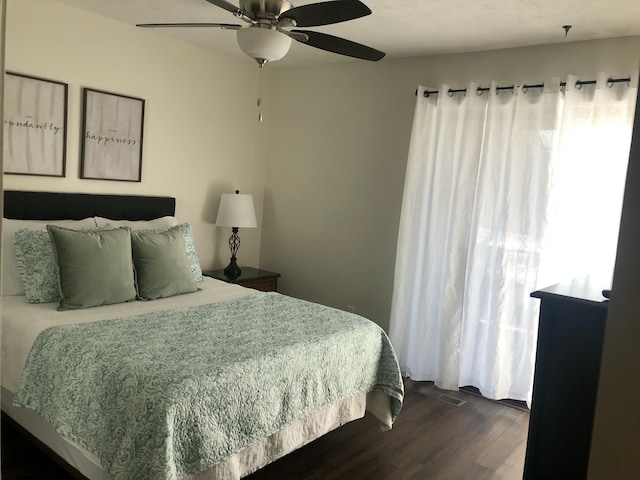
x=212, y=382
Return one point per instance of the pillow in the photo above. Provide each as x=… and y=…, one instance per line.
x=37, y=266
x=162, y=222
x=94, y=267
x=162, y=267
x=158, y=225
x=192, y=256
x=11, y=280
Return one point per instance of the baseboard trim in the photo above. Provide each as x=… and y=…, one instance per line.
x=519, y=404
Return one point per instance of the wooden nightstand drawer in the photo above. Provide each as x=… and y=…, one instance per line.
x=269, y=285
x=255, y=278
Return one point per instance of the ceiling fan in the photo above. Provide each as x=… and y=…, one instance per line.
x=269, y=32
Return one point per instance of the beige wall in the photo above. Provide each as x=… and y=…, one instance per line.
x=199, y=138
x=338, y=143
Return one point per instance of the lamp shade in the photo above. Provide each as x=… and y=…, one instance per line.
x=263, y=43
x=236, y=210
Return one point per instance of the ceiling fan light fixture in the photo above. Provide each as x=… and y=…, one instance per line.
x=263, y=44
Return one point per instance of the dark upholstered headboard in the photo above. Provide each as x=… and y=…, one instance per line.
x=76, y=206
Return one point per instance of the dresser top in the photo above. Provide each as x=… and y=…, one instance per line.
x=579, y=290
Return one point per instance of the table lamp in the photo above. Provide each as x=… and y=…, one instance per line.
x=236, y=210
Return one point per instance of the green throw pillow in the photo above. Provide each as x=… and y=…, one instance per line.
x=161, y=263
x=94, y=267
x=192, y=256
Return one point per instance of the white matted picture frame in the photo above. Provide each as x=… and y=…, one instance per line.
x=112, y=128
x=35, y=126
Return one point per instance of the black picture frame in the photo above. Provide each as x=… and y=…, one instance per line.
x=35, y=126
x=112, y=134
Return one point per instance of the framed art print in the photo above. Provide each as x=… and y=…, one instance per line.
x=35, y=126
x=112, y=128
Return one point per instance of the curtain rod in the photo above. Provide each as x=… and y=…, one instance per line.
x=525, y=86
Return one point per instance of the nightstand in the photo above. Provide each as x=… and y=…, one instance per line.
x=262, y=280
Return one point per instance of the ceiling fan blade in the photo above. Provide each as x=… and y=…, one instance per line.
x=229, y=7
x=339, y=45
x=326, y=13
x=224, y=26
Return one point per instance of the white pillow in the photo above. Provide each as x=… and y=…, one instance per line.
x=11, y=279
x=162, y=222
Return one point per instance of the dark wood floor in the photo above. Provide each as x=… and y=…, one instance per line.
x=432, y=439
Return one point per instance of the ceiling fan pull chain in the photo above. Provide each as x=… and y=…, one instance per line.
x=259, y=101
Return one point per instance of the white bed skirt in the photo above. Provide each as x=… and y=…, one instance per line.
x=239, y=465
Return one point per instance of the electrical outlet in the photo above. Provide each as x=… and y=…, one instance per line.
x=351, y=309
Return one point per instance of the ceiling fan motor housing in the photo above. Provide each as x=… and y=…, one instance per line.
x=265, y=8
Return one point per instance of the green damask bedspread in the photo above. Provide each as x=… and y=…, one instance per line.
x=171, y=393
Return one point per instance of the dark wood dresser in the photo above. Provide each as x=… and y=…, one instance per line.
x=565, y=386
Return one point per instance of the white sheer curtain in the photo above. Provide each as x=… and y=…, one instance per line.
x=505, y=192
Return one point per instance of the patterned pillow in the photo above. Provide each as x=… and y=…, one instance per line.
x=194, y=261
x=12, y=283
x=37, y=265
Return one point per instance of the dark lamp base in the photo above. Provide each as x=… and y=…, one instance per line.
x=233, y=270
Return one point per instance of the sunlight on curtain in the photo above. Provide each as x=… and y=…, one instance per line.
x=505, y=193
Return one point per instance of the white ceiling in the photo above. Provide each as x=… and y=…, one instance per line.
x=401, y=28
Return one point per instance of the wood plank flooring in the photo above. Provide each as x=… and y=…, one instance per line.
x=431, y=439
